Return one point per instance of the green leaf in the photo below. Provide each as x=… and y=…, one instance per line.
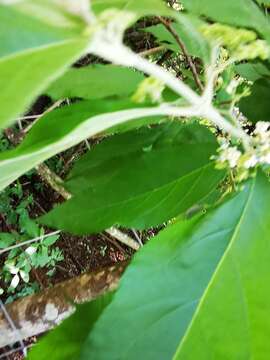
x=256, y=106
x=236, y=299
x=251, y=71
x=20, y=32
x=63, y=128
x=6, y=239
x=32, y=45
x=140, y=7
x=42, y=257
x=28, y=225
x=66, y=340
x=88, y=82
x=197, y=290
x=44, y=64
x=241, y=13
x=187, y=29
x=50, y=240
x=139, y=179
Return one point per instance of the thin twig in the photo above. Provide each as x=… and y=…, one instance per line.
x=137, y=237
x=185, y=52
x=152, y=51
x=27, y=242
x=37, y=117
x=123, y=238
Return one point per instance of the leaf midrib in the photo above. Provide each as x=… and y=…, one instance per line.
x=150, y=192
x=211, y=282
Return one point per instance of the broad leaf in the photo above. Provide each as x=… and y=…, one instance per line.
x=44, y=65
x=252, y=71
x=139, y=179
x=89, y=82
x=140, y=7
x=63, y=128
x=256, y=106
x=21, y=32
x=34, y=53
x=197, y=290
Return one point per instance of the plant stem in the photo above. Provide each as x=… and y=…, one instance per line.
x=184, y=50
x=200, y=105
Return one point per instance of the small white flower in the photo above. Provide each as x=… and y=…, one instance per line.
x=262, y=131
x=12, y=268
x=232, y=86
x=232, y=155
x=31, y=250
x=265, y=159
x=261, y=127
x=15, y=281
x=24, y=276
x=251, y=162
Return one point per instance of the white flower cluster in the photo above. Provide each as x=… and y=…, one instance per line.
x=176, y=6
x=228, y=155
x=258, y=154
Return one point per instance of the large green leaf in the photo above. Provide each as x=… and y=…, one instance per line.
x=65, y=342
x=33, y=54
x=242, y=13
x=233, y=312
x=20, y=32
x=252, y=71
x=65, y=127
x=139, y=179
x=256, y=106
x=88, y=82
x=26, y=75
x=196, y=291
x=140, y=7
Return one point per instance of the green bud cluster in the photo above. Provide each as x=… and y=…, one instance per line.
x=241, y=43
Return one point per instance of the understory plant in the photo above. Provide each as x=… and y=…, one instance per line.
x=21, y=261
x=184, y=141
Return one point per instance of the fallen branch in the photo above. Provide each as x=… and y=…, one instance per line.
x=36, y=314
